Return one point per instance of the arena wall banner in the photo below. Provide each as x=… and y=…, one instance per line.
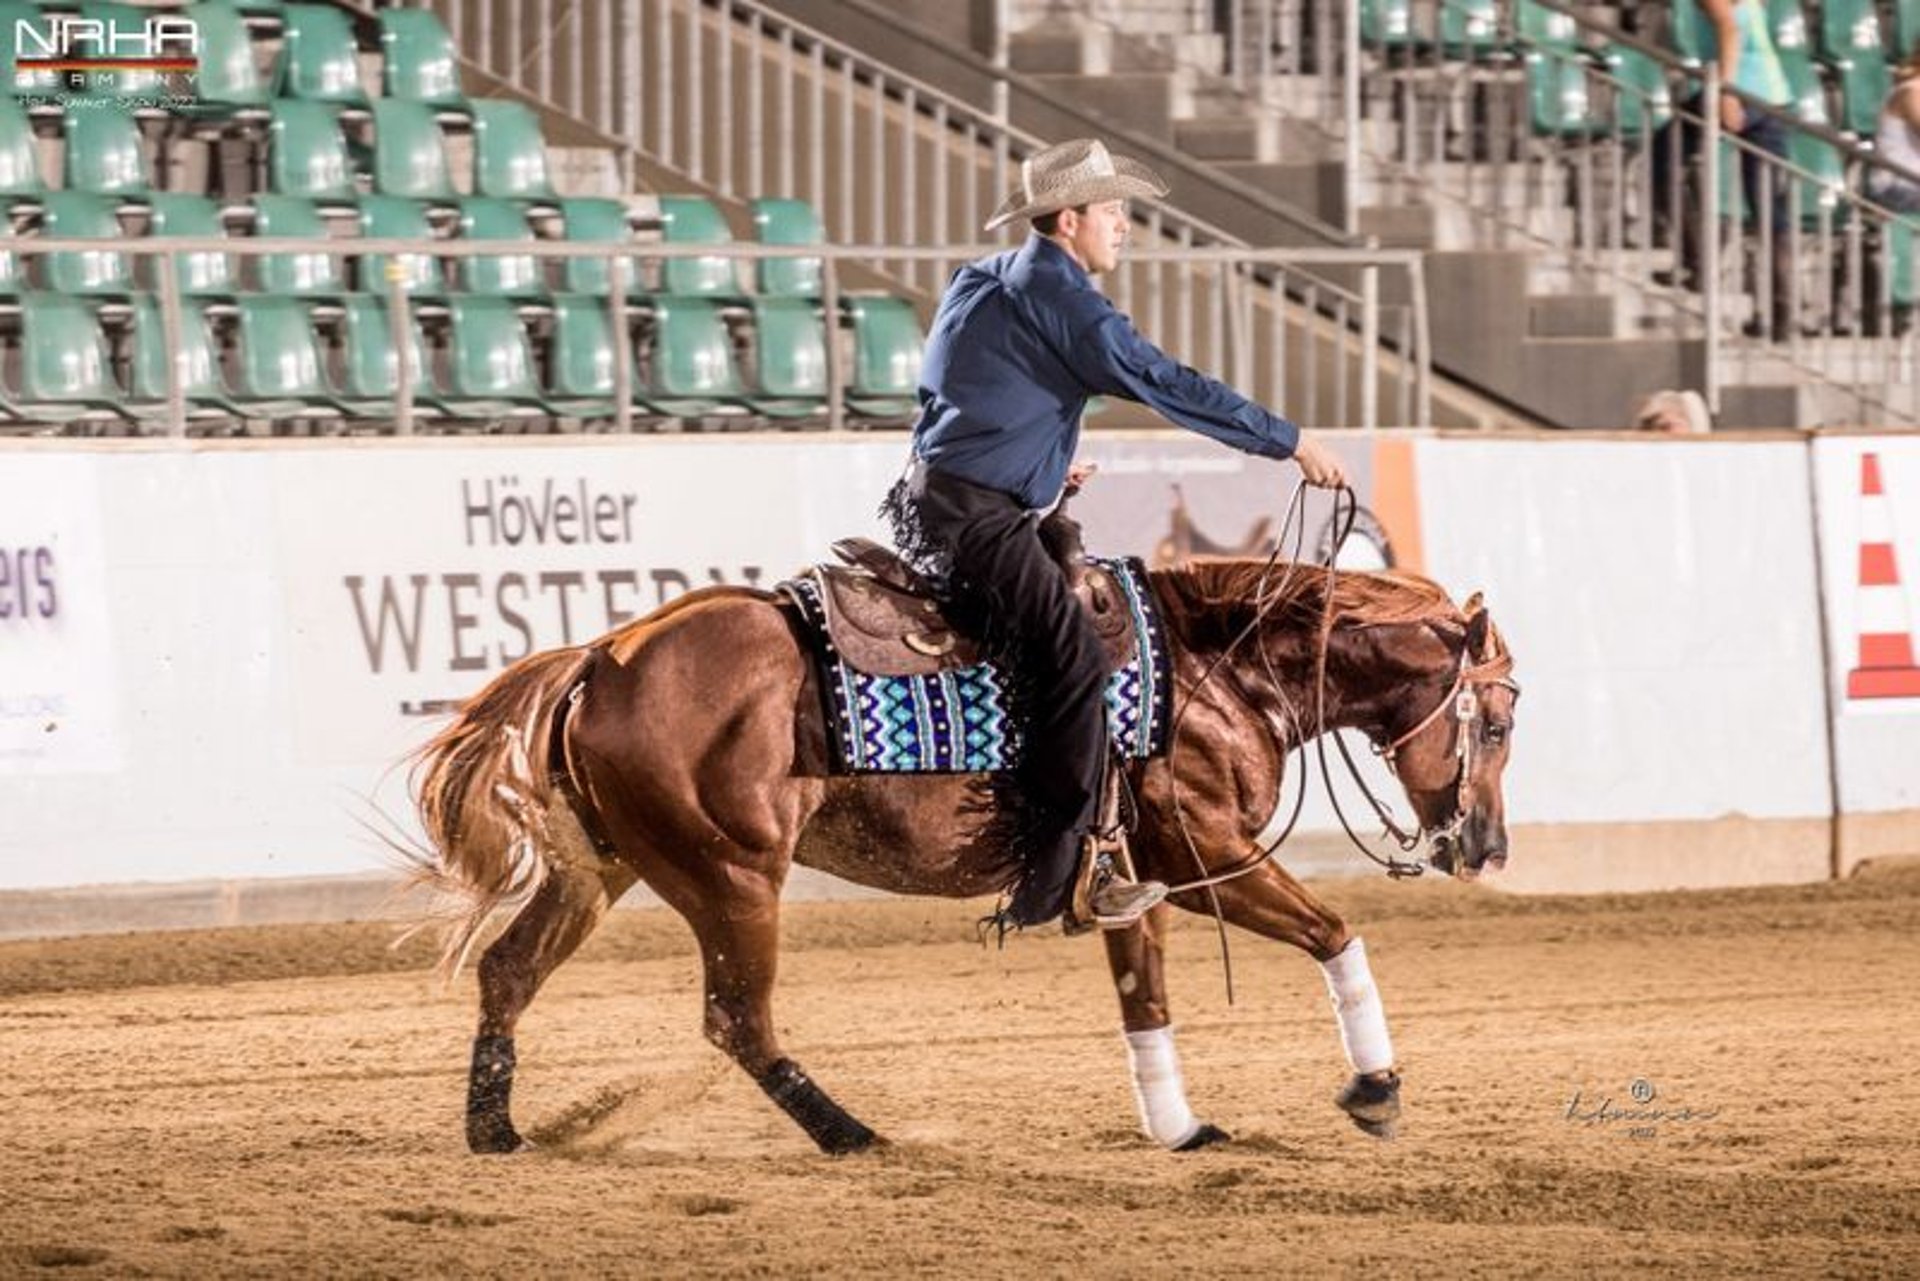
x=1869, y=510
x=57, y=710
x=1660, y=596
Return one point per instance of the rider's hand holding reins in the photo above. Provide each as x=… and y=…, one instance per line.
x=1319, y=465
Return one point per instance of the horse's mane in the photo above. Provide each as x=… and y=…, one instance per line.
x=1225, y=594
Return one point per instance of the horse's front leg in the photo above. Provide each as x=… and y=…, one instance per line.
x=1271, y=903
x=1137, y=957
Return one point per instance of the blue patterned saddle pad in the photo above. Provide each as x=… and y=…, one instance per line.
x=957, y=721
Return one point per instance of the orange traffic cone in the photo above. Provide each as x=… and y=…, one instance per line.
x=1886, y=668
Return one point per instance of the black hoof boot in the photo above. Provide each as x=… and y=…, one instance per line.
x=825, y=1121
x=489, y=1090
x=1204, y=1137
x=1373, y=1104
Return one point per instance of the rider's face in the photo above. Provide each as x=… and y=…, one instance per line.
x=1098, y=234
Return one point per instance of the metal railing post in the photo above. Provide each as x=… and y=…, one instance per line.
x=400, y=323
x=1370, y=346
x=830, y=317
x=1350, y=117
x=170, y=334
x=1422, y=343
x=1709, y=213
x=622, y=343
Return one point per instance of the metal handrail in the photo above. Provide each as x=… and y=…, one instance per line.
x=1412, y=364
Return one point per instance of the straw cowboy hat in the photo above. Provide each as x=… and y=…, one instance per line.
x=1080, y=172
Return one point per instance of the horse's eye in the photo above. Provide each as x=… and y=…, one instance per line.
x=1495, y=732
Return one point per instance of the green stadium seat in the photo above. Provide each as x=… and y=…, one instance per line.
x=491, y=368
x=104, y=152
x=1906, y=26
x=370, y=372
x=202, y=385
x=1787, y=23
x=1816, y=193
x=409, y=152
x=1387, y=24
x=20, y=178
x=1687, y=30
x=64, y=371
x=229, y=84
x=505, y=275
x=580, y=375
x=886, y=357
x=1543, y=28
x=282, y=374
x=319, y=57
x=689, y=220
x=307, y=153
x=1558, y=95
x=173, y=213
x=83, y=215
x=421, y=64
x=397, y=218
x=692, y=372
x=1848, y=26
x=790, y=342
x=597, y=221
x=301, y=275
x=509, y=154
x=787, y=222
x=1642, y=101
x=1899, y=263
x=1470, y=28
x=1864, y=80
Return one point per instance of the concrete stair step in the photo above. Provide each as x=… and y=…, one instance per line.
x=1313, y=185
x=1243, y=137
x=1059, y=47
x=1572, y=316
x=1146, y=102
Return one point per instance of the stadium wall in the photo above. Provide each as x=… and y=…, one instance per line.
x=213, y=655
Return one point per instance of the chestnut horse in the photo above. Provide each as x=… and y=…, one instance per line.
x=688, y=749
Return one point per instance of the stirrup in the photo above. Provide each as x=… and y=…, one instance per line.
x=1117, y=904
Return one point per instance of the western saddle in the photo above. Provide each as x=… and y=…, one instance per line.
x=882, y=618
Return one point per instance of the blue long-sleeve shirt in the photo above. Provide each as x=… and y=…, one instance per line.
x=1020, y=343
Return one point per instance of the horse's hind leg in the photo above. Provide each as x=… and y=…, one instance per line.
x=563, y=911
x=1137, y=956
x=739, y=932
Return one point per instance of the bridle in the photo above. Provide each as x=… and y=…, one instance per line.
x=1464, y=697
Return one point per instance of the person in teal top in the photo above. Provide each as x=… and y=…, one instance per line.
x=1734, y=34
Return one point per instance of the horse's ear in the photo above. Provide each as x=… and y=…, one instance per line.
x=1478, y=625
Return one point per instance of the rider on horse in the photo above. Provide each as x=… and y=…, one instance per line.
x=1020, y=343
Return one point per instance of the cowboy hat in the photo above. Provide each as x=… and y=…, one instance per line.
x=1068, y=174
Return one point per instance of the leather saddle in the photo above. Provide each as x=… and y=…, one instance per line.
x=883, y=620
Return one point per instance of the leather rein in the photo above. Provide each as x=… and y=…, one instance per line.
x=1462, y=697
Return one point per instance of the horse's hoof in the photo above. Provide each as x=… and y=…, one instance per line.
x=1373, y=1104
x=495, y=1139
x=847, y=1139
x=1204, y=1137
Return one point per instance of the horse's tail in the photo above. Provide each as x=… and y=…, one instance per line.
x=484, y=793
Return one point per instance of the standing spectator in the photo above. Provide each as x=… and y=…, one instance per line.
x=1738, y=41
x=1898, y=140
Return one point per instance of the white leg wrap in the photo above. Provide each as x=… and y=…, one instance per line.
x=1363, y=1021
x=1158, y=1089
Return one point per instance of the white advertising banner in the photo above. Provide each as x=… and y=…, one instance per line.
x=1869, y=488
x=1659, y=596
x=406, y=585
x=58, y=712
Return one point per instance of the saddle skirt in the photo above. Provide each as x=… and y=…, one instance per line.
x=907, y=693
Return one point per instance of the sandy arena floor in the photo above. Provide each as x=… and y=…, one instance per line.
x=287, y=1101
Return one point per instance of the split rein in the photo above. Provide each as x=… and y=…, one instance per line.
x=1462, y=697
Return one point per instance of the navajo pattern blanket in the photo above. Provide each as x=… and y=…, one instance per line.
x=958, y=721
